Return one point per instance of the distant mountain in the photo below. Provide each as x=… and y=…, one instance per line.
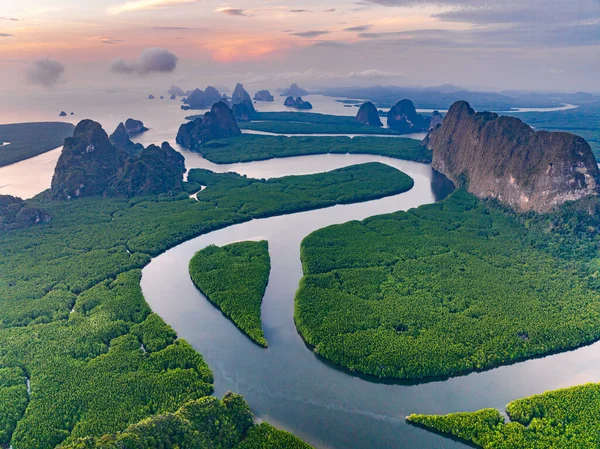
x=503, y=158
x=442, y=97
x=293, y=91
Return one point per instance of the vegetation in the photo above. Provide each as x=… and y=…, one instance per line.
x=283, y=127
x=583, y=121
x=449, y=288
x=297, y=193
x=235, y=278
x=31, y=139
x=298, y=117
x=111, y=362
x=205, y=423
x=558, y=419
x=251, y=147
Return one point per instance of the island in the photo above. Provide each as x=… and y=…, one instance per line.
x=263, y=95
x=368, y=115
x=556, y=419
x=25, y=140
x=134, y=127
x=403, y=117
x=294, y=91
x=235, y=279
x=202, y=99
x=62, y=114
x=219, y=123
x=297, y=103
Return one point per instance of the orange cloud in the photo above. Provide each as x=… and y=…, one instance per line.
x=247, y=48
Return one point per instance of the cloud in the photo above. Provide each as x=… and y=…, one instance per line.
x=140, y=5
x=151, y=60
x=299, y=10
x=110, y=40
x=373, y=74
x=12, y=19
x=309, y=34
x=357, y=28
x=330, y=10
x=232, y=11
x=45, y=72
x=312, y=74
x=6, y=35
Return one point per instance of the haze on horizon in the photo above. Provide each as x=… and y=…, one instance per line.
x=477, y=44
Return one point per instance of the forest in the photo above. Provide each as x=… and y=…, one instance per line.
x=235, y=278
x=73, y=320
x=566, y=419
x=449, y=288
x=205, y=423
x=31, y=139
x=251, y=147
x=285, y=127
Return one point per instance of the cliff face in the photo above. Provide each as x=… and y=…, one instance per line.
x=90, y=164
x=403, y=117
x=297, y=103
x=368, y=115
x=219, y=123
x=503, y=158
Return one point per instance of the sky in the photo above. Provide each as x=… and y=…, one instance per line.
x=478, y=44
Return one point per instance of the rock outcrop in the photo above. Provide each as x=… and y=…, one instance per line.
x=368, y=115
x=241, y=96
x=120, y=139
x=62, y=114
x=263, y=95
x=503, y=158
x=151, y=97
x=176, y=91
x=202, y=99
x=15, y=213
x=244, y=111
x=173, y=97
x=134, y=126
x=297, y=103
x=91, y=165
x=294, y=91
x=403, y=117
x=436, y=120
x=219, y=123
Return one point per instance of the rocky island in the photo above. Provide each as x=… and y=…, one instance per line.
x=202, y=99
x=219, y=123
x=90, y=165
x=503, y=158
x=263, y=95
x=134, y=126
x=369, y=115
x=403, y=117
x=241, y=103
x=297, y=103
x=176, y=91
x=62, y=114
x=294, y=91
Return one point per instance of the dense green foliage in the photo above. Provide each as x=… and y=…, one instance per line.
x=566, y=419
x=251, y=147
x=449, y=288
x=297, y=193
x=583, y=121
x=265, y=436
x=283, y=127
x=299, y=117
x=30, y=139
x=235, y=278
x=111, y=363
x=205, y=423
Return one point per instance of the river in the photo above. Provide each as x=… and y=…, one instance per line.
x=287, y=384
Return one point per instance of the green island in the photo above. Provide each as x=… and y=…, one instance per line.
x=450, y=288
x=75, y=326
x=31, y=139
x=206, y=422
x=250, y=147
x=565, y=419
x=235, y=278
x=290, y=194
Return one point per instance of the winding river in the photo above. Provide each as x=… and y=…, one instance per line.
x=287, y=384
